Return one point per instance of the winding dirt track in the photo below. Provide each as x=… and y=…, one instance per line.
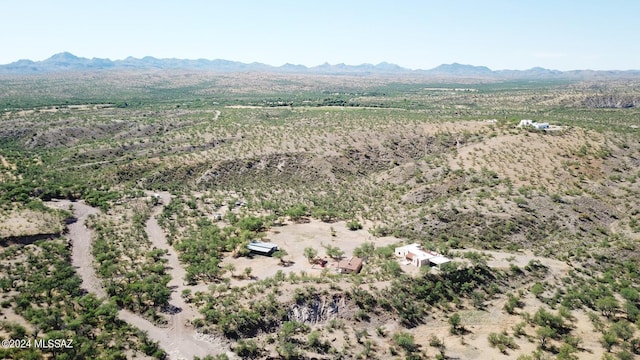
x=179, y=340
x=80, y=237
x=179, y=322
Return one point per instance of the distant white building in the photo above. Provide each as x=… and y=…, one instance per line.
x=419, y=257
x=535, y=125
x=525, y=122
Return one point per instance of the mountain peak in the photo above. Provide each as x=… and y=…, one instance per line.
x=457, y=68
x=66, y=61
x=63, y=56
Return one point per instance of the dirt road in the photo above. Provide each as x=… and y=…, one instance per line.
x=80, y=237
x=180, y=327
x=179, y=340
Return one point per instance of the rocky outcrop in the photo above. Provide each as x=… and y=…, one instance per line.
x=611, y=101
x=317, y=310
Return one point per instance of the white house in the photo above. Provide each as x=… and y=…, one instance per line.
x=419, y=257
x=535, y=125
x=403, y=250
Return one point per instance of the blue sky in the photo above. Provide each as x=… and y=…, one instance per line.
x=563, y=35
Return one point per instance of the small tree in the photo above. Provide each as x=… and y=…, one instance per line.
x=251, y=223
x=566, y=352
x=310, y=253
x=392, y=268
x=247, y=349
x=435, y=342
x=454, y=321
x=406, y=341
x=230, y=268
x=288, y=350
x=297, y=212
x=544, y=333
x=609, y=339
x=502, y=341
x=314, y=339
x=512, y=303
x=354, y=225
x=247, y=272
x=622, y=329
x=607, y=306
x=537, y=289
x=280, y=254
x=324, y=215
x=364, y=250
x=186, y=294
x=334, y=252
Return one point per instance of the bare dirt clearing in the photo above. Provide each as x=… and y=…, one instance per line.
x=55, y=109
x=28, y=223
x=6, y=164
x=10, y=316
x=7, y=170
x=294, y=238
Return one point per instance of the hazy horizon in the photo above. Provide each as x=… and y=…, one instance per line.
x=588, y=35
x=308, y=66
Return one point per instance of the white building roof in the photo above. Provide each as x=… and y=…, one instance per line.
x=422, y=255
x=418, y=253
x=438, y=260
x=262, y=246
x=410, y=247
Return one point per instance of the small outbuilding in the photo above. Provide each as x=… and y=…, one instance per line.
x=262, y=248
x=351, y=265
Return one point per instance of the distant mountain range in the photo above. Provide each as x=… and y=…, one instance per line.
x=67, y=62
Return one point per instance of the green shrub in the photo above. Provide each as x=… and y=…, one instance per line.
x=354, y=225
x=406, y=341
x=247, y=349
x=454, y=321
x=251, y=223
x=502, y=341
